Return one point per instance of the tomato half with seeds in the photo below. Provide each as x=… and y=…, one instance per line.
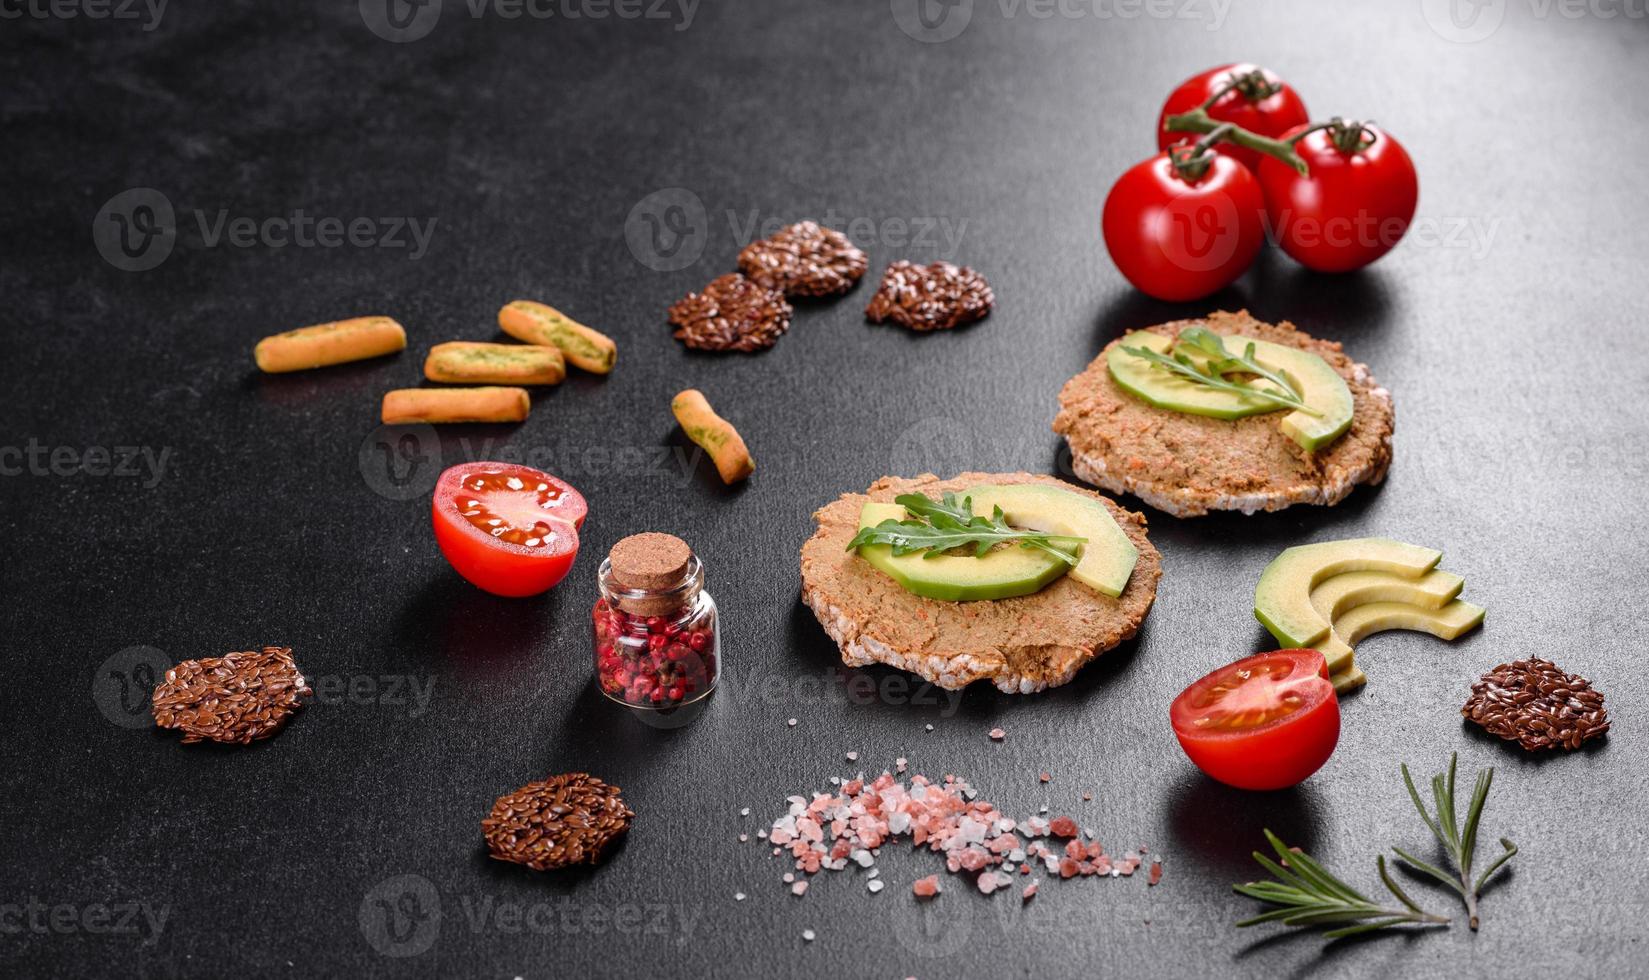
x=1265, y=722
x=509, y=529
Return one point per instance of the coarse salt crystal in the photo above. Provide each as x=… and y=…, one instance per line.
x=853, y=757
x=874, y=886
x=745, y=812
x=791, y=723
x=743, y=838
x=807, y=934
x=738, y=896
x=798, y=888
x=929, y=727
x=1029, y=892
x=998, y=734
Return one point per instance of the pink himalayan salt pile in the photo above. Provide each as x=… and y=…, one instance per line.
x=835, y=829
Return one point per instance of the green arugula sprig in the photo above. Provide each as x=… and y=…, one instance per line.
x=1459, y=843
x=937, y=527
x=1221, y=362
x=1312, y=896
x=1308, y=895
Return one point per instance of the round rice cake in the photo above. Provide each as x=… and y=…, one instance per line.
x=1021, y=645
x=1188, y=465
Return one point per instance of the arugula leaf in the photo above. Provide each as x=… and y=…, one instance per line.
x=1222, y=362
x=936, y=527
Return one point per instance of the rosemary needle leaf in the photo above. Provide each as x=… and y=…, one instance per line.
x=1309, y=895
x=1363, y=928
x=1414, y=795
x=1428, y=868
x=1392, y=886
x=1499, y=862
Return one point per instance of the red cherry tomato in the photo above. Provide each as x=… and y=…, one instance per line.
x=1179, y=239
x=1353, y=206
x=1259, y=102
x=509, y=529
x=1265, y=722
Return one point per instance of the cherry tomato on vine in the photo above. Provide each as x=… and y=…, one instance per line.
x=1265, y=722
x=509, y=529
x=1249, y=96
x=1353, y=206
x=1185, y=223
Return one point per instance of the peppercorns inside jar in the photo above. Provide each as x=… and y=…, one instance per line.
x=657, y=638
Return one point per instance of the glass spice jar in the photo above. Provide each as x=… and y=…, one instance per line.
x=657, y=635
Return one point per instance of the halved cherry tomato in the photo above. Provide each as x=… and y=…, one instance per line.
x=1265, y=722
x=1180, y=238
x=509, y=529
x=1352, y=207
x=1255, y=99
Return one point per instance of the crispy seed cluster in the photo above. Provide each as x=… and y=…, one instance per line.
x=1536, y=704
x=237, y=698
x=733, y=313
x=934, y=297
x=805, y=259
x=564, y=820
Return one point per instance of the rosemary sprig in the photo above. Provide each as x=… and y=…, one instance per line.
x=936, y=527
x=1460, y=843
x=1309, y=895
x=1221, y=362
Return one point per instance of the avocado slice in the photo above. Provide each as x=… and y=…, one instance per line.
x=1448, y=623
x=1320, y=386
x=1282, y=600
x=1337, y=595
x=1005, y=572
x=1348, y=680
x=1107, y=559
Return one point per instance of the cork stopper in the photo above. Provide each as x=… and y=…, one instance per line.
x=649, y=561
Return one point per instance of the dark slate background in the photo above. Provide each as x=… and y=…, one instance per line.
x=1506, y=326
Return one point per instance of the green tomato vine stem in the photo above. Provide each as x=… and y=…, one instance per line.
x=1199, y=121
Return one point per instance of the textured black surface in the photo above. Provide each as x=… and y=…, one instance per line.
x=1505, y=332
